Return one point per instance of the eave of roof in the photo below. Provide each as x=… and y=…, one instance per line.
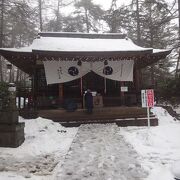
x=81, y=45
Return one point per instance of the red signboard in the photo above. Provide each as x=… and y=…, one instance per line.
x=150, y=97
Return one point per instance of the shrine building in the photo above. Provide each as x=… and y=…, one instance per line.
x=64, y=65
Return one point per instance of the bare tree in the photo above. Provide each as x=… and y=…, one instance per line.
x=40, y=15
x=2, y=23
x=1, y=38
x=138, y=29
x=113, y=11
x=89, y=13
x=178, y=60
x=138, y=23
x=58, y=16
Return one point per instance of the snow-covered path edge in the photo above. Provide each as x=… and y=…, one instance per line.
x=60, y=164
x=159, y=148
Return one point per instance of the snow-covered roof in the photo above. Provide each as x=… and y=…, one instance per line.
x=83, y=42
x=70, y=44
x=81, y=45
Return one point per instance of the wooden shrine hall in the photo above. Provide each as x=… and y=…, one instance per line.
x=70, y=51
x=63, y=65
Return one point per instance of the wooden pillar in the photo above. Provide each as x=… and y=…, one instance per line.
x=24, y=101
x=61, y=93
x=81, y=85
x=122, y=94
x=19, y=101
x=34, y=83
x=82, y=95
x=137, y=82
x=105, y=86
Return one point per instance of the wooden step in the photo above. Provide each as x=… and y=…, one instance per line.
x=123, y=116
x=106, y=112
x=120, y=122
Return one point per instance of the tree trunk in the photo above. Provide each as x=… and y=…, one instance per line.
x=2, y=23
x=178, y=61
x=40, y=15
x=1, y=69
x=151, y=44
x=138, y=23
x=10, y=75
x=13, y=38
x=87, y=20
x=20, y=76
x=57, y=16
x=17, y=75
x=1, y=39
x=114, y=17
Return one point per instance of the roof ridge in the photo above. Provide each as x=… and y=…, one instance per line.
x=83, y=35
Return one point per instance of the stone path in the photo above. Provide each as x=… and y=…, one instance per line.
x=99, y=152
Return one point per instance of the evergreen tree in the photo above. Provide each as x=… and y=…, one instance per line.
x=73, y=24
x=89, y=13
x=117, y=18
x=21, y=26
x=156, y=31
x=18, y=28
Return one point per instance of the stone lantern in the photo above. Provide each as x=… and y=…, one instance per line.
x=12, y=96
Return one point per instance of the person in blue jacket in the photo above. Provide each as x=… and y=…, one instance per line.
x=89, y=101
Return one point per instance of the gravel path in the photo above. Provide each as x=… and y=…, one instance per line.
x=99, y=152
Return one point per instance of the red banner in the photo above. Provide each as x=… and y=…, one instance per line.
x=150, y=97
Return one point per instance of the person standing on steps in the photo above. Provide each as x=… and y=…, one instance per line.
x=88, y=101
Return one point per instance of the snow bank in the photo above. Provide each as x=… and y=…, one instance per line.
x=42, y=136
x=159, y=147
x=176, y=169
x=46, y=143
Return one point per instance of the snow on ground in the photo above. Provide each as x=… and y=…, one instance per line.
x=46, y=144
x=99, y=152
x=159, y=147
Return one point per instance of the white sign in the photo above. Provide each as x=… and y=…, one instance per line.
x=124, y=89
x=143, y=98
